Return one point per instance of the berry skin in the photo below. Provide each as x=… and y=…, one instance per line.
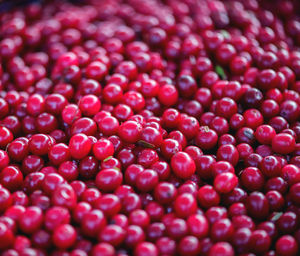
x=4, y=159
x=221, y=248
x=225, y=182
x=183, y=165
x=6, y=236
x=103, y=148
x=130, y=131
x=80, y=146
x=198, y=225
x=286, y=245
x=64, y=236
x=283, y=143
x=109, y=179
x=168, y=95
x=185, y=205
x=265, y=134
x=89, y=105
x=206, y=138
x=171, y=131
x=208, y=197
x=6, y=136
x=11, y=178
x=32, y=220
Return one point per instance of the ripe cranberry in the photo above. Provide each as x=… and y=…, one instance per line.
x=168, y=95
x=290, y=173
x=228, y=153
x=92, y=222
x=64, y=236
x=283, y=143
x=64, y=195
x=225, y=182
x=260, y=241
x=6, y=236
x=6, y=136
x=286, y=245
x=270, y=166
x=177, y=228
x=130, y=131
x=59, y=153
x=206, y=138
x=109, y=179
x=257, y=205
x=208, y=197
x=103, y=249
x=183, y=165
x=252, y=178
x=56, y=216
x=147, y=157
x=31, y=220
x=185, y=205
x=113, y=234
x=103, y=148
x=146, y=248
x=221, y=248
x=198, y=225
x=287, y=222
x=11, y=178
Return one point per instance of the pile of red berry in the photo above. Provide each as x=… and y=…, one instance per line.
x=149, y=127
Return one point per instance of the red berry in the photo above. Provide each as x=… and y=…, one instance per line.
x=183, y=165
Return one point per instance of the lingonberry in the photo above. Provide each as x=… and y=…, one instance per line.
x=144, y=105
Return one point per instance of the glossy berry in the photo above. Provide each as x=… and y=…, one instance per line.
x=183, y=165
x=79, y=146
